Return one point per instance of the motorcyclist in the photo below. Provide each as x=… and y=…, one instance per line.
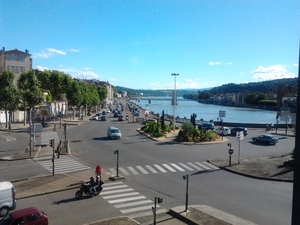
x=92, y=184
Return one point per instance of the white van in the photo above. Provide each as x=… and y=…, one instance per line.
x=113, y=133
x=7, y=198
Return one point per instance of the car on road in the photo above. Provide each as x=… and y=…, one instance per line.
x=103, y=118
x=206, y=126
x=113, y=133
x=266, y=139
x=94, y=118
x=121, y=117
x=239, y=129
x=30, y=216
x=223, y=131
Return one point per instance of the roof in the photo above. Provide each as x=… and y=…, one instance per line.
x=5, y=185
x=22, y=212
x=16, y=51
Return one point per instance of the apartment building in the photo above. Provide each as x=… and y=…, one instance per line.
x=16, y=61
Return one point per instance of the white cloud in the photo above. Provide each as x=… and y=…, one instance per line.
x=295, y=64
x=272, y=72
x=219, y=63
x=214, y=63
x=74, y=50
x=42, y=68
x=55, y=51
x=49, y=52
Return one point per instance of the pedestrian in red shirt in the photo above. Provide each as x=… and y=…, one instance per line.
x=98, y=170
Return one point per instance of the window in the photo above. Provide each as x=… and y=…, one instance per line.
x=21, y=57
x=21, y=69
x=12, y=56
x=12, y=69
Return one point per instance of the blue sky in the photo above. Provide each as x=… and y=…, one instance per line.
x=139, y=43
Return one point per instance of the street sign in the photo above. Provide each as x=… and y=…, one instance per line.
x=239, y=135
x=222, y=113
x=230, y=151
x=153, y=210
x=116, y=152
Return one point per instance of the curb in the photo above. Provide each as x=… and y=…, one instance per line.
x=250, y=176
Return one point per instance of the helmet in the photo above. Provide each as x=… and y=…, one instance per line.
x=98, y=177
x=92, y=178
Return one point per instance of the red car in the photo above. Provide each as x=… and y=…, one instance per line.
x=27, y=216
x=121, y=117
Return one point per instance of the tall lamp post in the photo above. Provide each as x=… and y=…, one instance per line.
x=174, y=100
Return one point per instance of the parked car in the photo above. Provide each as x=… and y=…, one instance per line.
x=113, y=133
x=238, y=129
x=206, y=126
x=223, y=131
x=116, y=114
x=266, y=139
x=121, y=117
x=7, y=198
x=103, y=118
x=25, y=216
x=94, y=118
x=104, y=113
x=136, y=113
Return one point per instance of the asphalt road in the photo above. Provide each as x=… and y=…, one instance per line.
x=262, y=202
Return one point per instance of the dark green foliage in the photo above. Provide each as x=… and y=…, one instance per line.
x=193, y=119
x=162, y=120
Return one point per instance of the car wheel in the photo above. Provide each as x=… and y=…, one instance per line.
x=4, y=211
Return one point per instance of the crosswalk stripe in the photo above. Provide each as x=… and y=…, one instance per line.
x=115, y=187
x=133, y=170
x=142, y=170
x=112, y=184
x=151, y=169
x=185, y=166
x=169, y=167
x=132, y=204
x=64, y=164
x=115, y=191
x=203, y=166
x=120, y=195
x=177, y=167
x=125, y=173
x=160, y=168
x=112, y=171
x=193, y=165
x=126, y=199
x=148, y=213
x=211, y=165
x=164, y=168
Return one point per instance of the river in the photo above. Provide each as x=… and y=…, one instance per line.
x=185, y=108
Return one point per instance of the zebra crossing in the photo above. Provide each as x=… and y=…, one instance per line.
x=165, y=168
x=127, y=200
x=63, y=164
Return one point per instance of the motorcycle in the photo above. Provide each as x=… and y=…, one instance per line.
x=85, y=189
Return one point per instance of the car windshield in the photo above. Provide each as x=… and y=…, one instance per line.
x=115, y=131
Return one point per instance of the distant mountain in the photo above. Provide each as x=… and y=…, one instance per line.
x=163, y=92
x=270, y=86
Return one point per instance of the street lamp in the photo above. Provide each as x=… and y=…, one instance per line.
x=174, y=100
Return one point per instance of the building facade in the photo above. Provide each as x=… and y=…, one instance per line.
x=16, y=61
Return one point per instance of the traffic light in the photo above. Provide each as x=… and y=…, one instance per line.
x=159, y=200
x=51, y=143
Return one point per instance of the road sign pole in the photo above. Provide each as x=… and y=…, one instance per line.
x=117, y=152
x=239, y=151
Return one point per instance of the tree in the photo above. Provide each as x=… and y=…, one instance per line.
x=9, y=95
x=74, y=95
x=55, y=81
x=31, y=93
x=162, y=120
x=102, y=92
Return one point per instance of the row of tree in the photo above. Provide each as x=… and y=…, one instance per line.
x=32, y=86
